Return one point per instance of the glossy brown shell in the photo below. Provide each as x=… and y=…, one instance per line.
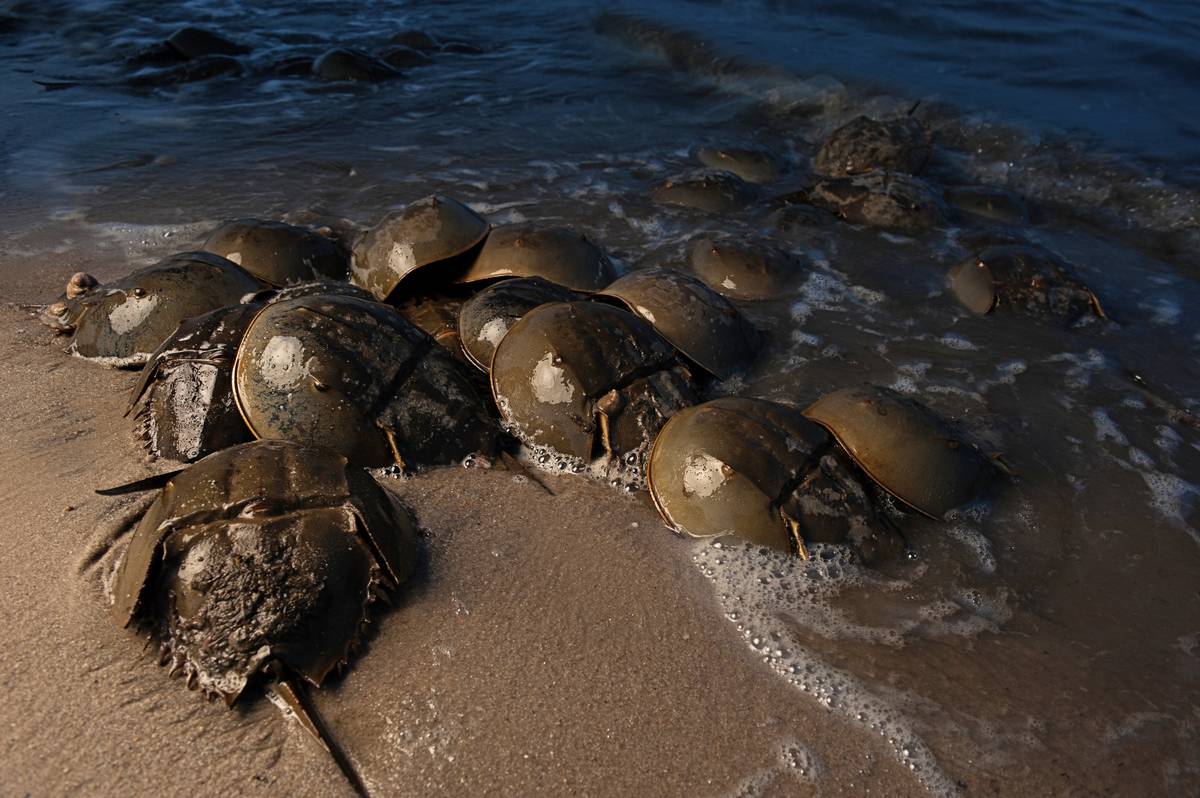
x=1023, y=279
x=184, y=397
x=564, y=364
x=428, y=231
x=557, y=254
x=125, y=321
x=710, y=190
x=863, y=144
x=698, y=321
x=358, y=378
x=262, y=557
x=437, y=316
x=905, y=447
x=487, y=317
x=751, y=165
x=743, y=270
x=891, y=201
x=279, y=254
x=760, y=471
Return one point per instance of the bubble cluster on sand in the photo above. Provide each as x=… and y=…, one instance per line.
x=769, y=596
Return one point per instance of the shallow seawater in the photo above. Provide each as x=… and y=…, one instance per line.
x=1045, y=639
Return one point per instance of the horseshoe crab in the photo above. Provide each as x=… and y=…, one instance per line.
x=278, y=254
x=906, y=448
x=349, y=64
x=761, y=471
x=557, y=254
x=696, y=320
x=711, y=190
x=184, y=397
x=187, y=384
x=987, y=202
x=487, y=317
x=259, y=564
x=865, y=145
x=590, y=383
x=358, y=378
x=123, y=322
x=740, y=270
x=751, y=165
x=437, y=316
x=431, y=230
x=891, y=201
x=1026, y=278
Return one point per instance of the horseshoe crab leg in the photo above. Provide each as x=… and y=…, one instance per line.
x=292, y=697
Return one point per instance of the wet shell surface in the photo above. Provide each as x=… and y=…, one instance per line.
x=1024, y=279
x=760, y=471
x=349, y=64
x=357, y=377
x=698, y=321
x=905, y=447
x=124, y=322
x=262, y=560
x=279, y=254
x=710, y=190
x=184, y=398
x=751, y=165
x=891, y=201
x=587, y=380
x=743, y=270
x=487, y=317
x=557, y=254
x=865, y=145
x=425, y=232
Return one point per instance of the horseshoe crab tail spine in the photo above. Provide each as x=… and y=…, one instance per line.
x=292, y=697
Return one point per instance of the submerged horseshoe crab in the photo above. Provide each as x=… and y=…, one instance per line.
x=358, y=378
x=277, y=253
x=863, y=144
x=905, y=447
x=259, y=564
x=1027, y=279
x=124, y=322
x=557, y=254
x=743, y=270
x=891, y=201
x=751, y=165
x=711, y=190
x=487, y=317
x=431, y=230
x=761, y=471
x=698, y=321
x=589, y=382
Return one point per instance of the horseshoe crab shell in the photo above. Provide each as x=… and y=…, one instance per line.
x=279, y=254
x=760, y=471
x=905, y=447
x=428, y=231
x=124, y=322
x=487, y=317
x=751, y=165
x=698, y=321
x=187, y=385
x=588, y=381
x=865, y=145
x=743, y=270
x=1025, y=278
x=259, y=559
x=891, y=201
x=358, y=378
x=711, y=190
x=347, y=63
x=557, y=254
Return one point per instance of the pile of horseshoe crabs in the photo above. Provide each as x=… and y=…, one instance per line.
x=279, y=363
